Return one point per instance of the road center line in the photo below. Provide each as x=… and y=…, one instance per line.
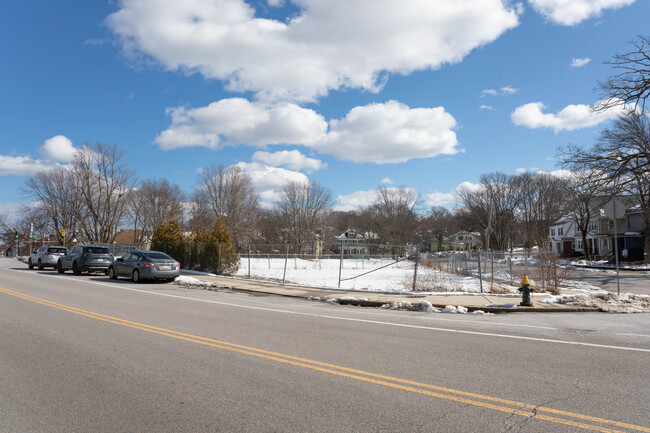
x=392, y=382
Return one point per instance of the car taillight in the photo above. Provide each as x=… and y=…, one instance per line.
x=177, y=265
x=149, y=265
x=48, y=254
x=85, y=255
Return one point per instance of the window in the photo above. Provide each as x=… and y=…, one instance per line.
x=560, y=231
x=552, y=232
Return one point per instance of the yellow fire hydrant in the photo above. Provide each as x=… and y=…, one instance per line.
x=525, y=292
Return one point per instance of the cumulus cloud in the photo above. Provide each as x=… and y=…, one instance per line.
x=269, y=180
x=58, y=148
x=381, y=133
x=570, y=118
x=445, y=198
x=579, y=63
x=390, y=133
x=326, y=45
x=238, y=121
x=291, y=159
x=387, y=181
x=22, y=165
x=355, y=200
x=572, y=12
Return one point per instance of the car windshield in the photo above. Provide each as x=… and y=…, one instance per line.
x=156, y=256
x=57, y=250
x=97, y=250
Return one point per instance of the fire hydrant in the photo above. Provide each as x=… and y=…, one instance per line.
x=525, y=292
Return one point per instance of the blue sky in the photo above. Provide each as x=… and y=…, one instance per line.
x=427, y=94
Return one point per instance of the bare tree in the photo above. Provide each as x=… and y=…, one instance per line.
x=103, y=182
x=394, y=214
x=303, y=208
x=155, y=201
x=439, y=223
x=230, y=194
x=631, y=83
x=56, y=195
x=543, y=202
x=495, y=203
x=621, y=158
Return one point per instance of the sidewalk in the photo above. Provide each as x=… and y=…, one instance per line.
x=488, y=303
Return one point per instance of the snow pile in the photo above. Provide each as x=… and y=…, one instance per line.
x=608, y=302
x=190, y=281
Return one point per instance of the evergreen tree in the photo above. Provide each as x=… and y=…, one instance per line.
x=168, y=237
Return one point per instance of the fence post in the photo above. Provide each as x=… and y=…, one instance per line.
x=480, y=277
x=415, y=272
x=219, y=261
x=340, y=265
x=286, y=258
x=249, y=261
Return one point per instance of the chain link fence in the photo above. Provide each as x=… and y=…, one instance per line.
x=360, y=266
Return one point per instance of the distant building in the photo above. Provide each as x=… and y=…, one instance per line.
x=464, y=240
x=351, y=244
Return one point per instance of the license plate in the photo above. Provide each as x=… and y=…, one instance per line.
x=165, y=267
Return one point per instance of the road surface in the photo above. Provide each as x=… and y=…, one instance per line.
x=87, y=353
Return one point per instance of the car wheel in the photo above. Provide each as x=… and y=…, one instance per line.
x=59, y=267
x=40, y=265
x=29, y=264
x=111, y=273
x=136, y=276
x=75, y=269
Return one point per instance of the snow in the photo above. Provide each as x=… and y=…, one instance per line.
x=608, y=302
x=375, y=275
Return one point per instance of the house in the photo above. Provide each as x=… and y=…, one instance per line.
x=464, y=240
x=351, y=244
x=566, y=237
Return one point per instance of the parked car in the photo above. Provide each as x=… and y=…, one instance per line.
x=145, y=265
x=85, y=258
x=45, y=256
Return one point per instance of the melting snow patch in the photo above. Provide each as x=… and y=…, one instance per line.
x=608, y=302
x=190, y=281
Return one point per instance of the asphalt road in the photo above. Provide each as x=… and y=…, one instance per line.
x=81, y=354
x=629, y=281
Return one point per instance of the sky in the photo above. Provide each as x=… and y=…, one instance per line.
x=351, y=94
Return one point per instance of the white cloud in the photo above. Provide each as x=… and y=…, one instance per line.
x=572, y=12
x=58, y=148
x=387, y=181
x=269, y=180
x=327, y=45
x=486, y=107
x=239, y=121
x=22, y=165
x=445, y=198
x=390, y=133
x=488, y=92
x=291, y=159
x=355, y=200
x=579, y=63
x=520, y=170
x=505, y=90
x=380, y=133
x=570, y=118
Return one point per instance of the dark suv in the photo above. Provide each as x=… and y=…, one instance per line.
x=85, y=258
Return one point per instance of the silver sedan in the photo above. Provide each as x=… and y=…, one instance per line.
x=145, y=265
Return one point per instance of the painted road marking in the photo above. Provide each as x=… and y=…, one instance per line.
x=522, y=409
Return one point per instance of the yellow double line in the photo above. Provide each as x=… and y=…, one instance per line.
x=494, y=403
